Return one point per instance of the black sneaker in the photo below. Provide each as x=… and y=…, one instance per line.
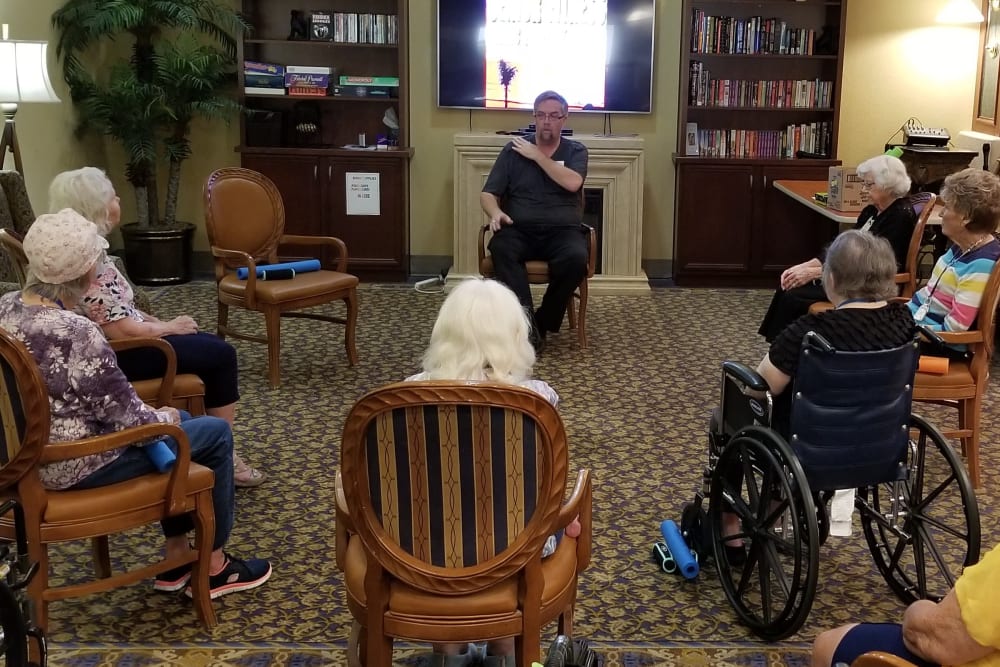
x=237, y=575
x=173, y=580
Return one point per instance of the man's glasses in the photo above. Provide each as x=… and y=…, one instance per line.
x=540, y=116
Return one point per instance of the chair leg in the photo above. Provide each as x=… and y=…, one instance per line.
x=39, y=553
x=102, y=556
x=223, y=320
x=351, y=301
x=581, y=331
x=204, y=533
x=969, y=419
x=355, y=642
x=566, y=622
x=272, y=322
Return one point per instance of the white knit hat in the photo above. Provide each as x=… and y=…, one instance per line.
x=62, y=246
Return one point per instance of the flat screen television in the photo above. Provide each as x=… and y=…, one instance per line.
x=597, y=53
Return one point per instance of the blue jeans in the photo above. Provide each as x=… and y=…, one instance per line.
x=211, y=446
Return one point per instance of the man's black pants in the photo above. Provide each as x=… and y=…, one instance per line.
x=564, y=248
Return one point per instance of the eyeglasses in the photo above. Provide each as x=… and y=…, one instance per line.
x=540, y=116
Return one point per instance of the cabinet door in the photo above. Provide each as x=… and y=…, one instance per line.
x=297, y=179
x=787, y=232
x=714, y=215
x=365, y=208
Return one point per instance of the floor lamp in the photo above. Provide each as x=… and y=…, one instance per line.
x=24, y=77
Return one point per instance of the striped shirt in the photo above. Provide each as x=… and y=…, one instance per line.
x=956, y=286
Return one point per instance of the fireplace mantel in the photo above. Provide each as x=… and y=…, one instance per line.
x=615, y=167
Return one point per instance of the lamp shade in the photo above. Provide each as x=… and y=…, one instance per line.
x=24, y=73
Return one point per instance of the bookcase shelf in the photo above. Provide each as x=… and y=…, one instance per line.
x=743, y=149
x=299, y=141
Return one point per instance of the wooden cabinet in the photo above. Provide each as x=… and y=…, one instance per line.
x=762, y=85
x=300, y=142
x=314, y=188
x=740, y=231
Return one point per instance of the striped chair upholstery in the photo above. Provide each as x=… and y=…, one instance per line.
x=446, y=496
x=453, y=485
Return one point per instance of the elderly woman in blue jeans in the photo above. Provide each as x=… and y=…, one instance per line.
x=89, y=395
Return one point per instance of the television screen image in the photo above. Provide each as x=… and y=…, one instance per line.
x=499, y=54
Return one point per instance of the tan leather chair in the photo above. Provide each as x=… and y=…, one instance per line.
x=60, y=516
x=906, y=280
x=964, y=385
x=538, y=274
x=245, y=218
x=188, y=391
x=879, y=659
x=421, y=564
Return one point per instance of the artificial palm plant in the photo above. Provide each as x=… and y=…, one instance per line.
x=183, y=53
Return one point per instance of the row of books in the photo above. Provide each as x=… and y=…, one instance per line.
x=764, y=144
x=784, y=93
x=364, y=28
x=753, y=35
x=261, y=78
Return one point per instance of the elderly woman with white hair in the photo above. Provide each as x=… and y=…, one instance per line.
x=110, y=302
x=89, y=395
x=889, y=215
x=482, y=333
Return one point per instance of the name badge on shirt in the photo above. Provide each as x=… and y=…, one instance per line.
x=561, y=163
x=868, y=225
x=921, y=312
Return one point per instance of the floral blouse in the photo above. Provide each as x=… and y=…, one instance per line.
x=88, y=393
x=110, y=298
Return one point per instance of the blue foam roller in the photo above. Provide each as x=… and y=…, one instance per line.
x=161, y=455
x=681, y=552
x=302, y=266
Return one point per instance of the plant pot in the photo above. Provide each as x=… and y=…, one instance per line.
x=158, y=256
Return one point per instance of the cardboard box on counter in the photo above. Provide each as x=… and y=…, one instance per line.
x=845, y=189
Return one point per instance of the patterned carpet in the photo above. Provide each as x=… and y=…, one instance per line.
x=635, y=405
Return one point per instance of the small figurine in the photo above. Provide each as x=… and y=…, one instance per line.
x=299, y=26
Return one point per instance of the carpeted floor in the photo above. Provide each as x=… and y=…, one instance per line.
x=635, y=406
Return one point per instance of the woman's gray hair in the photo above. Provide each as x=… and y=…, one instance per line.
x=86, y=191
x=975, y=195
x=861, y=265
x=68, y=292
x=888, y=172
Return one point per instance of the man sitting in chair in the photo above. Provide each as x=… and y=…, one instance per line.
x=538, y=181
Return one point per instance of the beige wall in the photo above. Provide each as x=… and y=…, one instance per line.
x=894, y=67
x=898, y=63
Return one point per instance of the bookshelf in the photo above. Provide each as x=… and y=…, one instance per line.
x=301, y=141
x=760, y=82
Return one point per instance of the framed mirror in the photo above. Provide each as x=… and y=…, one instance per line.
x=984, y=113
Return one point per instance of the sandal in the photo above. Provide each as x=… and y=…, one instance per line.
x=244, y=475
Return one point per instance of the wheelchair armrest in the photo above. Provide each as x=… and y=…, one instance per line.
x=746, y=375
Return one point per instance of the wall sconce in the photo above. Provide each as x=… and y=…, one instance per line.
x=961, y=11
x=24, y=77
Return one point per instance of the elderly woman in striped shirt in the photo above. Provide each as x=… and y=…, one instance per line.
x=950, y=299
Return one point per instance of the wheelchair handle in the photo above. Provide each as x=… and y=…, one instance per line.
x=930, y=335
x=817, y=342
x=745, y=374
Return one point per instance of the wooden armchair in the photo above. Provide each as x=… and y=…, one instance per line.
x=446, y=496
x=538, y=274
x=245, y=218
x=880, y=659
x=59, y=516
x=964, y=385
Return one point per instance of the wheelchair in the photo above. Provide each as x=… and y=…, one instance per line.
x=16, y=571
x=850, y=426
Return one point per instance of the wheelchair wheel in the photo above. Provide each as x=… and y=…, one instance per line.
x=921, y=545
x=759, y=480
x=13, y=630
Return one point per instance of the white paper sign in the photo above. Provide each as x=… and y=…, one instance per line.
x=362, y=193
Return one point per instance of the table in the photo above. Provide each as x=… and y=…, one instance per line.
x=803, y=191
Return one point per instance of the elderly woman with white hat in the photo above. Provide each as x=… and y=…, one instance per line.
x=89, y=395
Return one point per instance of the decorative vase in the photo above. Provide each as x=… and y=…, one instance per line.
x=158, y=256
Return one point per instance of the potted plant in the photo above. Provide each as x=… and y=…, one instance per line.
x=181, y=64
